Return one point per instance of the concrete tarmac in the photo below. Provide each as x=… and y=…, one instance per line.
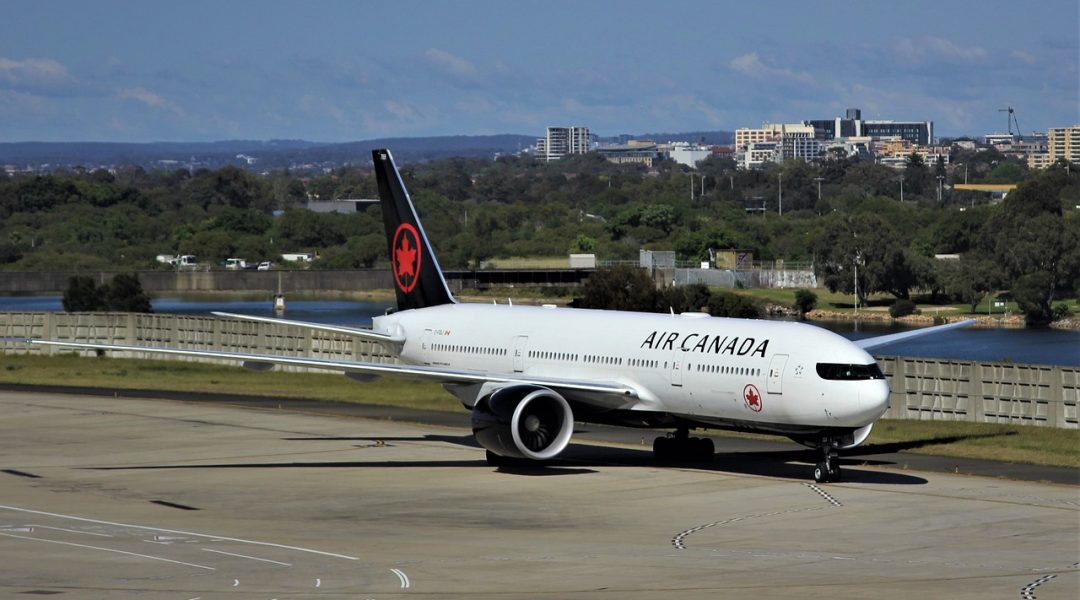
x=132, y=498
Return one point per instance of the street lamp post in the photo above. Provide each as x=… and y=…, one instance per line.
x=939, y=178
x=901, y=188
x=780, y=192
x=818, y=180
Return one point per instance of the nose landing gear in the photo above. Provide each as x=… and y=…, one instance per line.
x=827, y=471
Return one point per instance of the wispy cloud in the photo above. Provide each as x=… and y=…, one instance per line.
x=453, y=66
x=41, y=75
x=151, y=99
x=751, y=65
x=935, y=49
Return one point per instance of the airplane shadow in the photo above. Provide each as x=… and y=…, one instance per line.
x=579, y=459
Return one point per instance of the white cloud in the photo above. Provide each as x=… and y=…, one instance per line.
x=151, y=99
x=929, y=48
x=752, y=66
x=452, y=65
x=34, y=74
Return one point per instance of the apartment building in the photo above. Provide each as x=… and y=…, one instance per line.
x=561, y=141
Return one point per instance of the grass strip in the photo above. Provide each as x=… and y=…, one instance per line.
x=1008, y=443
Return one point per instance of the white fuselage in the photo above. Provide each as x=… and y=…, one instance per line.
x=706, y=369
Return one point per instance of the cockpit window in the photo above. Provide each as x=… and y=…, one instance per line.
x=839, y=372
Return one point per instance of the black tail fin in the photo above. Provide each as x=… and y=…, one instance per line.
x=418, y=280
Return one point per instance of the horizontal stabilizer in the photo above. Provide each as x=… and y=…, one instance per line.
x=881, y=340
x=366, y=334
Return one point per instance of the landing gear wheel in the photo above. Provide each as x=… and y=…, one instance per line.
x=834, y=473
x=663, y=448
x=706, y=449
x=821, y=473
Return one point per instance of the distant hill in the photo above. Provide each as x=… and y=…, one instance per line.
x=278, y=154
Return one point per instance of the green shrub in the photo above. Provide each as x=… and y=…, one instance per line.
x=902, y=308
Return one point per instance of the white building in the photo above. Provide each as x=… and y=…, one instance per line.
x=560, y=141
x=758, y=154
x=688, y=154
x=771, y=131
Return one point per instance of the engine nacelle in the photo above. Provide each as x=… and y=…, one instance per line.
x=523, y=421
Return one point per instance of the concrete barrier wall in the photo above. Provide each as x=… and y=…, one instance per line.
x=985, y=392
x=182, y=331
x=922, y=388
x=205, y=281
x=764, y=278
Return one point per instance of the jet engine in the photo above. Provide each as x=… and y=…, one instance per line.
x=523, y=421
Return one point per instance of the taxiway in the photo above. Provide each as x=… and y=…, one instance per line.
x=124, y=498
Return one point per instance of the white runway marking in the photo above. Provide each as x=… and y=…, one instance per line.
x=318, y=582
x=212, y=537
x=402, y=577
x=71, y=530
x=247, y=557
x=33, y=539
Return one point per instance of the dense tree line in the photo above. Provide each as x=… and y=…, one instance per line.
x=843, y=215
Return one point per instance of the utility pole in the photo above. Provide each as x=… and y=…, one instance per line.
x=818, y=180
x=901, y=189
x=939, y=178
x=780, y=192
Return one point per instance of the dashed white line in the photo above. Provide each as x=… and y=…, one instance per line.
x=284, y=564
x=147, y=556
x=71, y=530
x=212, y=537
x=402, y=577
x=318, y=582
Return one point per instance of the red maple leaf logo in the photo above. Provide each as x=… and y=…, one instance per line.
x=753, y=399
x=406, y=257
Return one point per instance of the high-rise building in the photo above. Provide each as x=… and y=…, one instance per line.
x=1063, y=143
x=853, y=125
x=560, y=141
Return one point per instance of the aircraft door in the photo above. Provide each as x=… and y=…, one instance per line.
x=774, y=385
x=678, y=364
x=520, y=342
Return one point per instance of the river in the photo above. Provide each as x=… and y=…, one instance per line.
x=1036, y=346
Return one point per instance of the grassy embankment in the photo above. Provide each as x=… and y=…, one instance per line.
x=1033, y=445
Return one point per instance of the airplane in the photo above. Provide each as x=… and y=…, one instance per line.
x=527, y=373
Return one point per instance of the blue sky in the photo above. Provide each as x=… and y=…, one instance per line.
x=338, y=71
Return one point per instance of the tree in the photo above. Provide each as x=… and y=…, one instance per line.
x=125, y=294
x=805, y=301
x=618, y=288
x=81, y=295
x=1036, y=246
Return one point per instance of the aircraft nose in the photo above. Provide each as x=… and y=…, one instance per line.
x=874, y=398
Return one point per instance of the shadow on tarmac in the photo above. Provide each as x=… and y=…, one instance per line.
x=578, y=458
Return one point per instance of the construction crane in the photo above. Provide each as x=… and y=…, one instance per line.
x=1011, y=120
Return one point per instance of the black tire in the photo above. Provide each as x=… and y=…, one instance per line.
x=834, y=474
x=662, y=448
x=821, y=473
x=706, y=449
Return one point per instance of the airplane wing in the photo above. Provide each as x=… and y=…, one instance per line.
x=366, y=334
x=881, y=340
x=616, y=394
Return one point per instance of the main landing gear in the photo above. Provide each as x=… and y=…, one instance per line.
x=827, y=471
x=681, y=447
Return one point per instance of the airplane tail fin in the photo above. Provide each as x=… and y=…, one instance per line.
x=418, y=280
